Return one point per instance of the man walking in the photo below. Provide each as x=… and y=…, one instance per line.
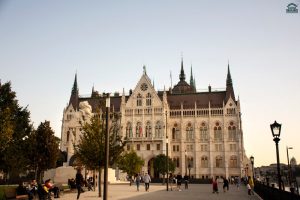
x=79, y=181
x=147, y=181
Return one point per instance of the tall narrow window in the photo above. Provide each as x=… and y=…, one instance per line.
x=203, y=132
x=232, y=132
x=68, y=136
x=233, y=161
x=219, y=161
x=129, y=130
x=139, y=100
x=148, y=99
x=218, y=132
x=189, y=132
x=204, y=161
x=139, y=130
x=175, y=132
x=148, y=130
x=158, y=130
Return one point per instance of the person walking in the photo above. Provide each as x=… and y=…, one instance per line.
x=179, y=180
x=186, y=181
x=215, y=186
x=225, y=184
x=138, y=179
x=79, y=181
x=147, y=181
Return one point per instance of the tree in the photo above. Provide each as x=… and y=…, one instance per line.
x=90, y=149
x=43, y=149
x=15, y=127
x=160, y=164
x=131, y=163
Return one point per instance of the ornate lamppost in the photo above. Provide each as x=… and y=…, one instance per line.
x=289, y=166
x=252, y=163
x=276, y=129
x=190, y=167
x=106, y=150
x=167, y=152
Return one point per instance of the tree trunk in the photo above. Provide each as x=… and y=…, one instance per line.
x=99, y=182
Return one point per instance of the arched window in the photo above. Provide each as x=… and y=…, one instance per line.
x=204, y=161
x=203, y=132
x=176, y=161
x=148, y=130
x=139, y=100
x=219, y=161
x=138, y=130
x=190, y=162
x=68, y=136
x=232, y=136
x=189, y=132
x=148, y=99
x=218, y=132
x=175, y=132
x=129, y=130
x=233, y=161
x=158, y=130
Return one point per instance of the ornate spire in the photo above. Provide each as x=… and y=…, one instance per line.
x=195, y=84
x=74, y=94
x=182, y=75
x=229, y=86
x=228, y=80
x=75, y=88
x=191, y=78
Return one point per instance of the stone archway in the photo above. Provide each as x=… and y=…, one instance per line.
x=72, y=161
x=151, y=170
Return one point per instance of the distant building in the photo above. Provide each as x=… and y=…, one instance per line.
x=204, y=129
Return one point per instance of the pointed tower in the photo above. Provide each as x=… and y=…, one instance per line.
x=74, y=94
x=182, y=86
x=229, y=86
x=192, y=80
x=182, y=74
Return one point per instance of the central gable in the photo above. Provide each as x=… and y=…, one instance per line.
x=142, y=90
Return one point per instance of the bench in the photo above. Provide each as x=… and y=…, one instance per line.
x=11, y=193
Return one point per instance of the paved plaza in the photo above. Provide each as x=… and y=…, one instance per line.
x=158, y=191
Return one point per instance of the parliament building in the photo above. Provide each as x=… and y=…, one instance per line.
x=203, y=129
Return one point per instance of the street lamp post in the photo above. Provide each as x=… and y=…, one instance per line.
x=289, y=166
x=276, y=129
x=252, y=162
x=106, y=150
x=185, y=163
x=167, y=152
x=189, y=166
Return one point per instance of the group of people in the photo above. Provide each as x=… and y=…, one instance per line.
x=29, y=191
x=146, y=179
x=178, y=180
x=248, y=182
x=32, y=190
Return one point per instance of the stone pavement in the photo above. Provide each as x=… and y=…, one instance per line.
x=158, y=191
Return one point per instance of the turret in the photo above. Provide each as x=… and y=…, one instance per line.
x=74, y=94
x=229, y=86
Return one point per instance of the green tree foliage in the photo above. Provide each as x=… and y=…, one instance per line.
x=160, y=164
x=43, y=149
x=90, y=149
x=131, y=163
x=15, y=127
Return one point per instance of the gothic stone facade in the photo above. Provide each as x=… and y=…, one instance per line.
x=203, y=129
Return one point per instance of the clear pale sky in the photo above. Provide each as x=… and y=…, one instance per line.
x=43, y=44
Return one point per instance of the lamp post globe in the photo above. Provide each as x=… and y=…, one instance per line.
x=276, y=130
x=252, y=163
